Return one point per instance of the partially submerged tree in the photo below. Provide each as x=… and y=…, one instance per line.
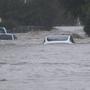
x=79, y=9
x=46, y=12
x=86, y=17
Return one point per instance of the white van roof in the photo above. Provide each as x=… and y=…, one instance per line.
x=58, y=39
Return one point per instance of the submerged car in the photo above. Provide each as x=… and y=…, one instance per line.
x=4, y=35
x=68, y=39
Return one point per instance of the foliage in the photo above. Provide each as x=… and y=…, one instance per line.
x=45, y=12
x=79, y=9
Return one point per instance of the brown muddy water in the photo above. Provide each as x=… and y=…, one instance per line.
x=26, y=66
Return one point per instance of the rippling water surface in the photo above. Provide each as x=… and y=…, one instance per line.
x=49, y=67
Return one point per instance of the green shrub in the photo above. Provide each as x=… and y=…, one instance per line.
x=87, y=30
x=8, y=23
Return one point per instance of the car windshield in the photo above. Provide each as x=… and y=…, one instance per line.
x=57, y=38
x=2, y=30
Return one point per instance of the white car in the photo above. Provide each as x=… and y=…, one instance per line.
x=4, y=35
x=68, y=39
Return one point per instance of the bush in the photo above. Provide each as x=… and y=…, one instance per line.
x=8, y=23
x=87, y=24
x=87, y=30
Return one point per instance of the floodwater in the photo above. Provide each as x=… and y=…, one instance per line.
x=29, y=66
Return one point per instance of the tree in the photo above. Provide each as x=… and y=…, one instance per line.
x=86, y=19
x=42, y=12
x=74, y=8
x=81, y=9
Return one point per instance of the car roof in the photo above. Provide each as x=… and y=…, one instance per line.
x=57, y=37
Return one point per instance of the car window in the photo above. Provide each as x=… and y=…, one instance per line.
x=2, y=30
x=57, y=38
